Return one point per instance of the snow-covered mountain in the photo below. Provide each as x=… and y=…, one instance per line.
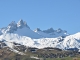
x=22, y=34
x=51, y=33
x=21, y=28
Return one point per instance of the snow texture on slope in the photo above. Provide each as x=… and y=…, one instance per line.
x=72, y=41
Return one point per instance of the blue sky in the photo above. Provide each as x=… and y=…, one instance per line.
x=64, y=14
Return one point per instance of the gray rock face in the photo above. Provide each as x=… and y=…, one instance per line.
x=37, y=29
x=12, y=27
x=22, y=24
x=2, y=44
x=50, y=30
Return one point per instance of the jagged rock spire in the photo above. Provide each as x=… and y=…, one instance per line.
x=22, y=24
x=13, y=26
x=37, y=29
x=50, y=30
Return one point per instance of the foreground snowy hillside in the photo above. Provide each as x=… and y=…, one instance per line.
x=72, y=41
x=21, y=33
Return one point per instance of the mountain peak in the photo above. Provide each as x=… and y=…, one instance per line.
x=12, y=27
x=22, y=24
x=50, y=30
x=59, y=30
x=37, y=29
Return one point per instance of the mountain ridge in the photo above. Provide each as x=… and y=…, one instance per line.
x=21, y=33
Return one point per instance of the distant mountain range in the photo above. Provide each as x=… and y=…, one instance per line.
x=21, y=33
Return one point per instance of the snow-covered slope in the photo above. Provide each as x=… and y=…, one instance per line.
x=27, y=32
x=72, y=41
x=21, y=33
